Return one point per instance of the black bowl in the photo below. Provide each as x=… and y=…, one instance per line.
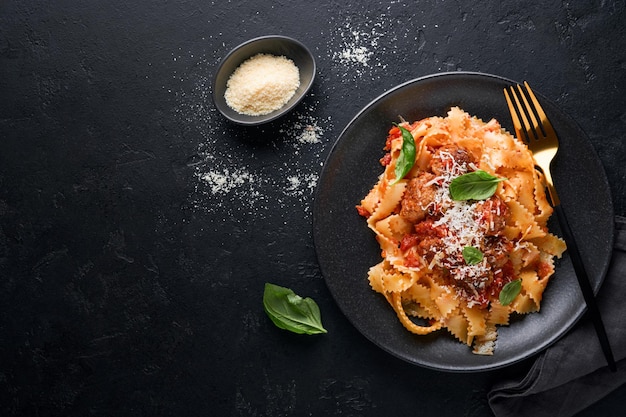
x=274, y=45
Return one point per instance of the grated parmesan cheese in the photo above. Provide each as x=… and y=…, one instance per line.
x=262, y=84
x=461, y=219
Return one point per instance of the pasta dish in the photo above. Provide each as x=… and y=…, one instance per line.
x=460, y=214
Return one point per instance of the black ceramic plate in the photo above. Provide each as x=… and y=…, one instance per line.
x=346, y=248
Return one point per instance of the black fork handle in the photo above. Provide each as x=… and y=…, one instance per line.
x=585, y=286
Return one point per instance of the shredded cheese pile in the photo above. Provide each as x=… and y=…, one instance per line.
x=460, y=218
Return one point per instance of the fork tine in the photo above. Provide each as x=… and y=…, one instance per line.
x=545, y=123
x=529, y=111
x=524, y=125
x=517, y=125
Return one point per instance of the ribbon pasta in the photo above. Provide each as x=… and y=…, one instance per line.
x=422, y=231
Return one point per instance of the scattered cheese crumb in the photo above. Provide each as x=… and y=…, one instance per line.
x=223, y=182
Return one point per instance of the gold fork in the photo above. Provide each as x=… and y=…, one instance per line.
x=542, y=140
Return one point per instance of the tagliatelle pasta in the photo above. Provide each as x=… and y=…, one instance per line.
x=427, y=273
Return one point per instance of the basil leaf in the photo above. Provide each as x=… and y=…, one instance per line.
x=510, y=291
x=477, y=185
x=406, y=159
x=290, y=311
x=472, y=255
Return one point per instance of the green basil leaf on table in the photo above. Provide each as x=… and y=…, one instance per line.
x=406, y=159
x=477, y=185
x=289, y=311
x=510, y=291
x=472, y=255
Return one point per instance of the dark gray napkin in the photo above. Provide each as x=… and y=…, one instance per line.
x=572, y=374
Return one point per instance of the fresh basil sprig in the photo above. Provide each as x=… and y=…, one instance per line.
x=290, y=311
x=510, y=291
x=477, y=185
x=472, y=255
x=406, y=159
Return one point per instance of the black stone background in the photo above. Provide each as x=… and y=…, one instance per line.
x=128, y=287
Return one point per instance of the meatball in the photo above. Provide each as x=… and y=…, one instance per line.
x=493, y=215
x=446, y=156
x=417, y=197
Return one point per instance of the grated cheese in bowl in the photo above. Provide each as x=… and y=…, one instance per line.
x=262, y=84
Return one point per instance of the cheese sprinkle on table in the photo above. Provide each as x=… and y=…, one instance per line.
x=262, y=84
